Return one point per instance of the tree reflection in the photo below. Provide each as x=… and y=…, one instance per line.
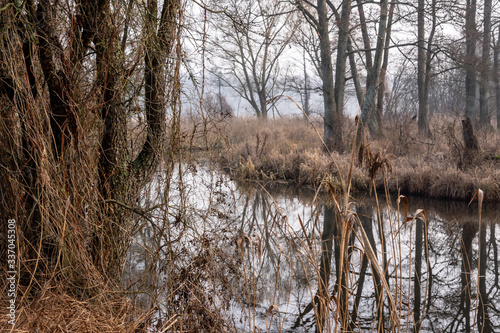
x=469, y=231
x=365, y=214
x=442, y=282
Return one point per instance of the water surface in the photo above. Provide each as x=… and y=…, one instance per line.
x=284, y=243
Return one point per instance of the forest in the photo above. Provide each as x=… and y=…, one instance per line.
x=249, y=166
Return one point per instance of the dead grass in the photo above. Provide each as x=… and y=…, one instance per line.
x=55, y=310
x=289, y=149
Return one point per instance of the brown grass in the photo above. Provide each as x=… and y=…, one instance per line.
x=289, y=150
x=55, y=310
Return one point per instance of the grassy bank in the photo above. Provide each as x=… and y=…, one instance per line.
x=289, y=150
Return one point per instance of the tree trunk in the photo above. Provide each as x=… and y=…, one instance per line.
x=333, y=123
x=354, y=74
x=484, y=91
x=340, y=67
x=382, y=86
x=263, y=104
x=471, y=146
x=69, y=138
x=366, y=38
x=496, y=77
x=374, y=75
x=423, y=105
x=424, y=66
x=470, y=59
x=307, y=95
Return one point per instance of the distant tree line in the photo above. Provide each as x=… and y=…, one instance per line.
x=443, y=48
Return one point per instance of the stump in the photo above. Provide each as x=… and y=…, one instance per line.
x=471, y=146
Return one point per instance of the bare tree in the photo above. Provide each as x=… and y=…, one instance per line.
x=470, y=58
x=496, y=73
x=251, y=38
x=484, y=91
x=374, y=73
x=75, y=179
x=301, y=84
x=333, y=118
x=424, y=64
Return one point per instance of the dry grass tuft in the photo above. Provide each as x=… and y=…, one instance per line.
x=56, y=311
x=374, y=161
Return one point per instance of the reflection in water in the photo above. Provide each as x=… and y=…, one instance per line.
x=330, y=225
x=443, y=272
x=483, y=321
x=446, y=282
x=469, y=231
x=365, y=214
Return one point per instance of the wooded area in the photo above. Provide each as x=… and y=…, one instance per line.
x=442, y=50
x=93, y=95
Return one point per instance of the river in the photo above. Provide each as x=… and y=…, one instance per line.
x=270, y=248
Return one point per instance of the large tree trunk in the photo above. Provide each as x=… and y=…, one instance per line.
x=470, y=59
x=496, y=77
x=73, y=174
x=374, y=74
x=120, y=178
x=333, y=122
x=382, y=86
x=340, y=67
x=484, y=91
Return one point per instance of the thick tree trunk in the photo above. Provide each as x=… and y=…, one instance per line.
x=120, y=178
x=423, y=97
x=470, y=59
x=340, y=67
x=382, y=86
x=71, y=193
x=374, y=74
x=484, y=91
x=333, y=122
x=496, y=78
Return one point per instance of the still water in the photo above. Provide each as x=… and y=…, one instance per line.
x=442, y=270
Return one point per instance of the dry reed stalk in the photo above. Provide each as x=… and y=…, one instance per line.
x=380, y=271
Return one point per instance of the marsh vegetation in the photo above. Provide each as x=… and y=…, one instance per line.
x=143, y=198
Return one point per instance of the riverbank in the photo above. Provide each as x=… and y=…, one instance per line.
x=289, y=150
